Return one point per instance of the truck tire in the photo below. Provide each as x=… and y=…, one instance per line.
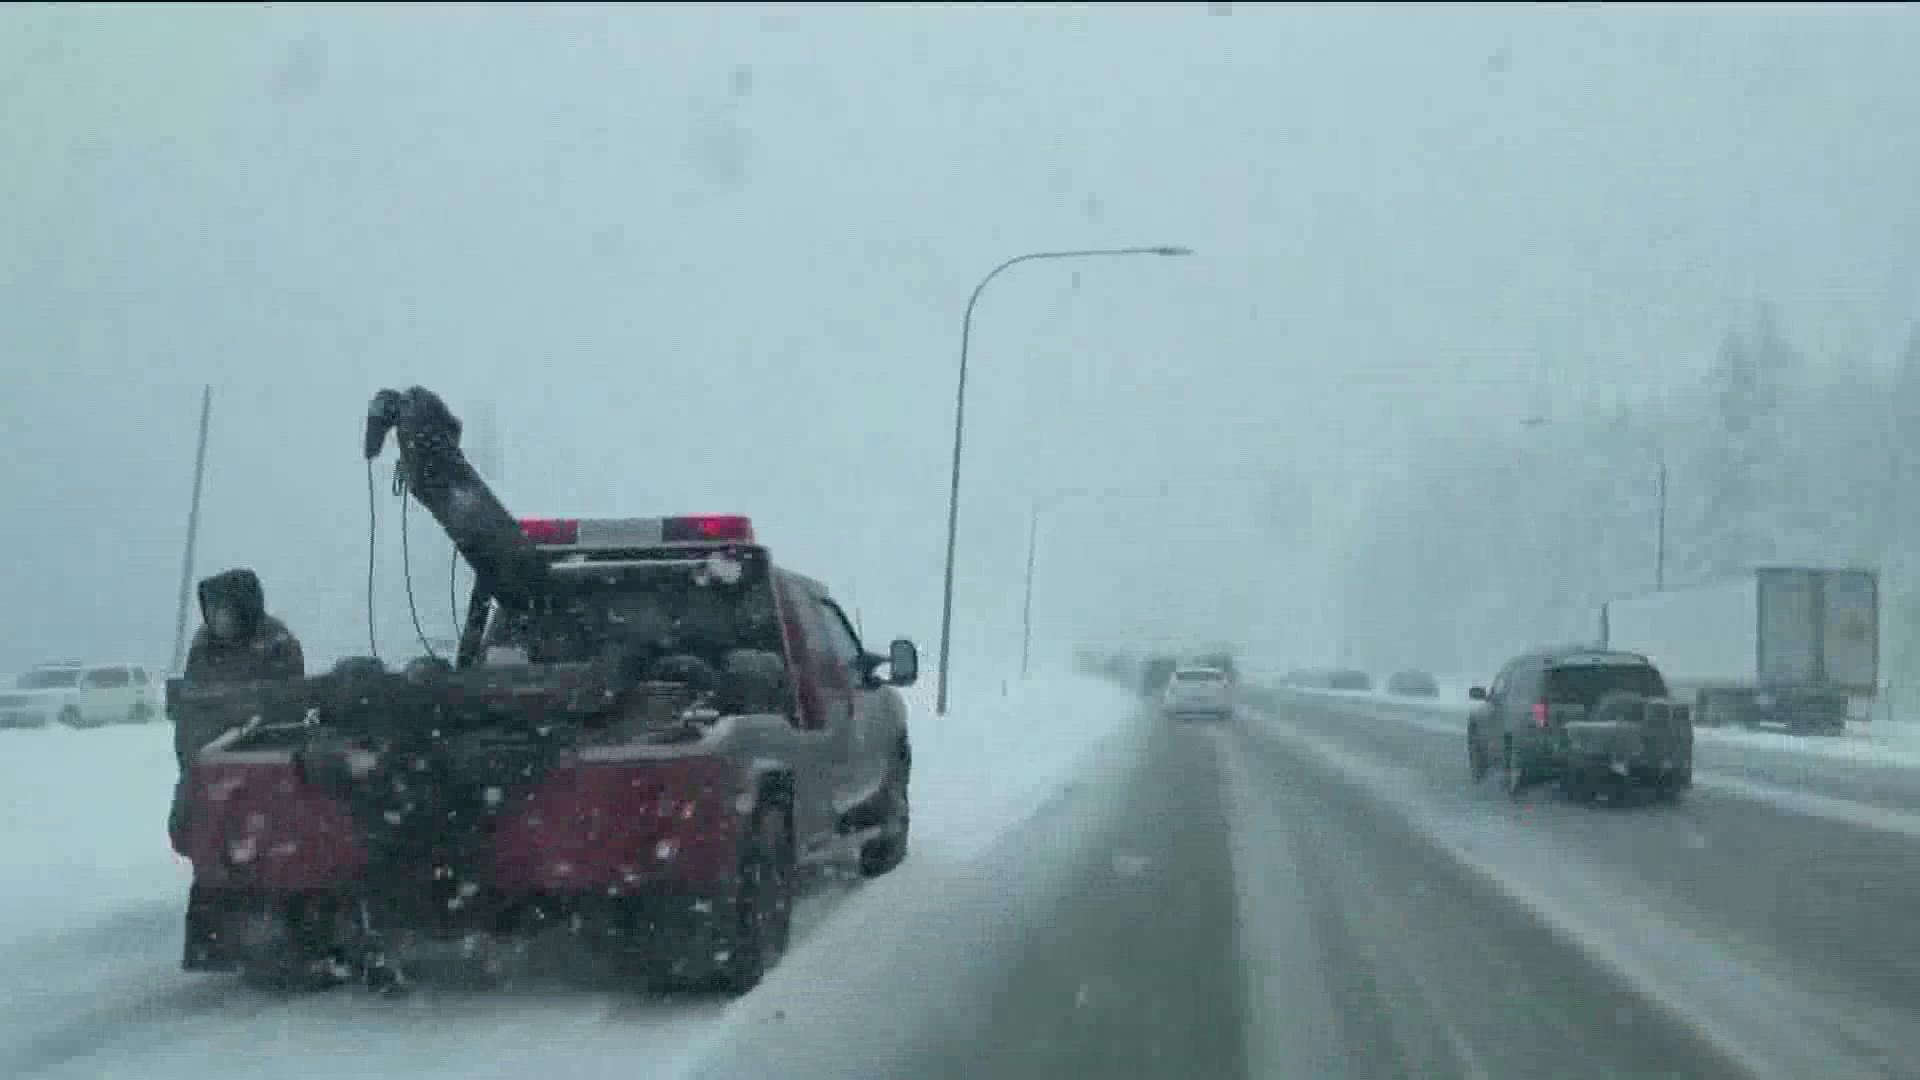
x=1669, y=787
x=1712, y=710
x=763, y=903
x=1577, y=786
x=1477, y=765
x=888, y=850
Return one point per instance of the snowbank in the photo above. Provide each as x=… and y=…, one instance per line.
x=1451, y=698
x=997, y=757
x=85, y=826
x=1879, y=743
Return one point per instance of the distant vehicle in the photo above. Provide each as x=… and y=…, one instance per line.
x=1329, y=679
x=1349, y=679
x=79, y=695
x=1788, y=646
x=1155, y=675
x=1586, y=717
x=1218, y=660
x=1198, y=692
x=1413, y=684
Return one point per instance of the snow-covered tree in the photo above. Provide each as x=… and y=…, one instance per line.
x=1501, y=537
x=1747, y=383
x=1900, y=591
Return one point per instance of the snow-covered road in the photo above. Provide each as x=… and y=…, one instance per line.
x=1769, y=911
x=90, y=985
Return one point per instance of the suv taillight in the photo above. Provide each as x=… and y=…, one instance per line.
x=1539, y=714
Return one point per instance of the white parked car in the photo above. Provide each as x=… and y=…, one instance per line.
x=1199, y=691
x=80, y=695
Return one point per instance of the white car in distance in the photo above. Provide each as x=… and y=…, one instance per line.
x=80, y=696
x=1198, y=692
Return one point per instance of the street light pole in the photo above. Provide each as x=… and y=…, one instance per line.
x=1660, y=520
x=1026, y=603
x=959, y=427
x=193, y=533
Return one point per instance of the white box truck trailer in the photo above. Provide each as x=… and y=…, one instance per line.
x=1789, y=646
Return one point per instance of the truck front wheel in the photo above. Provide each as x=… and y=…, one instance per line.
x=889, y=849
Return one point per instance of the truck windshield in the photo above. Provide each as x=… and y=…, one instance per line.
x=652, y=608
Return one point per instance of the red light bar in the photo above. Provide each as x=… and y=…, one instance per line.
x=550, y=531
x=707, y=527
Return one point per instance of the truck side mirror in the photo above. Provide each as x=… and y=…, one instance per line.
x=1478, y=693
x=903, y=663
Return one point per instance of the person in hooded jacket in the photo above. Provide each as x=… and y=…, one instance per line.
x=238, y=642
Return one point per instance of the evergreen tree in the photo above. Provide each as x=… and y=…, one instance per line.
x=1749, y=380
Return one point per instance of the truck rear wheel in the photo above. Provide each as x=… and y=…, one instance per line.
x=763, y=904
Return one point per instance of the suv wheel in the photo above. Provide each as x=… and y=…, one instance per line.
x=1513, y=773
x=1576, y=785
x=1477, y=767
x=1669, y=787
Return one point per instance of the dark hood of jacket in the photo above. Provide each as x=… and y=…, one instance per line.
x=261, y=646
x=241, y=588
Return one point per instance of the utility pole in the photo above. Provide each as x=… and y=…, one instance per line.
x=1660, y=550
x=193, y=532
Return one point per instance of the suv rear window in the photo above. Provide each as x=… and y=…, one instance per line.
x=107, y=678
x=1583, y=684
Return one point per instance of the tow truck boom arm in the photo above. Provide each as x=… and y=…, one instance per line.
x=434, y=469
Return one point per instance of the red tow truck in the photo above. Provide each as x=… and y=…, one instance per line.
x=649, y=729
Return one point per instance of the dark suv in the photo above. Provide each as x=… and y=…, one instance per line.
x=1585, y=717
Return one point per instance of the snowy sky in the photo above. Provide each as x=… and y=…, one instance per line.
x=703, y=259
